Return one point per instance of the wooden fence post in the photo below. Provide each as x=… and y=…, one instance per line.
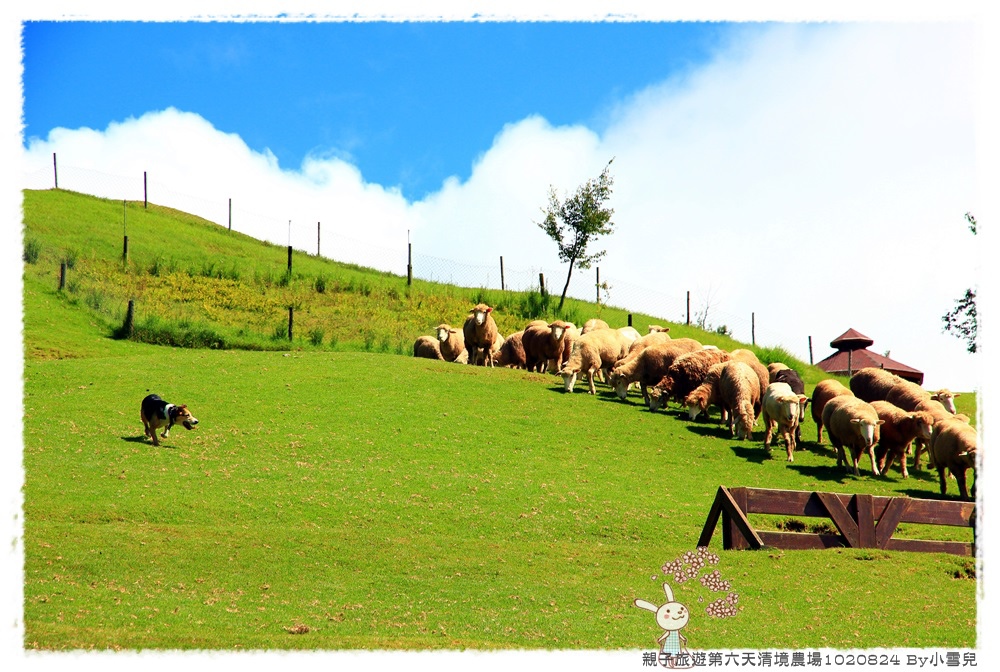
x=230, y=214
x=62, y=276
x=810, y=350
x=129, y=327
x=688, y=308
x=289, y=260
x=145, y=192
x=599, y=286
x=409, y=263
x=630, y=319
x=55, y=169
x=317, y=239
x=541, y=283
x=753, y=329
x=502, y=285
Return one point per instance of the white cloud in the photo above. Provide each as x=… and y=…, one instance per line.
x=815, y=176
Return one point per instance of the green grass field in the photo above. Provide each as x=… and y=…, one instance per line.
x=342, y=495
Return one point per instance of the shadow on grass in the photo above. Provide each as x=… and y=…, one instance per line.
x=752, y=452
x=717, y=431
x=136, y=439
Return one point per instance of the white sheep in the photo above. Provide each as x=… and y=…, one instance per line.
x=707, y=394
x=480, y=331
x=593, y=324
x=780, y=410
x=853, y=423
x=451, y=342
x=647, y=368
x=592, y=352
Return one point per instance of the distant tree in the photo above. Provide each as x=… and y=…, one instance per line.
x=576, y=222
x=962, y=321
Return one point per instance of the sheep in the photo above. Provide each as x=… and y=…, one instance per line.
x=592, y=352
x=762, y=378
x=954, y=446
x=853, y=423
x=780, y=409
x=706, y=394
x=652, y=338
x=451, y=342
x=938, y=413
x=655, y=328
x=744, y=355
x=739, y=394
x=684, y=375
x=545, y=344
x=565, y=333
x=824, y=391
x=592, y=324
x=791, y=376
x=773, y=368
x=907, y=395
x=630, y=333
x=427, y=347
x=872, y=384
x=512, y=352
x=646, y=368
x=900, y=429
x=480, y=332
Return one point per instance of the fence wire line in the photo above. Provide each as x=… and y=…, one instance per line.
x=621, y=293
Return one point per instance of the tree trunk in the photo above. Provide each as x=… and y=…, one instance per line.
x=566, y=286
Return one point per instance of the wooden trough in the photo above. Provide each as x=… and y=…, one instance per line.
x=863, y=521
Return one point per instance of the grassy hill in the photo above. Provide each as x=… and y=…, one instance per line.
x=341, y=494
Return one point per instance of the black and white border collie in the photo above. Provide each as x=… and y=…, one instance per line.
x=156, y=413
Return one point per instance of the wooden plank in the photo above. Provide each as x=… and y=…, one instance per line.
x=713, y=519
x=889, y=520
x=866, y=521
x=743, y=535
x=925, y=546
x=798, y=541
x=840, y=517
x=937, y=512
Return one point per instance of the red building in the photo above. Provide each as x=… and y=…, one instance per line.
x=853, y=354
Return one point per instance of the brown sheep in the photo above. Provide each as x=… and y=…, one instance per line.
x=427, y=347
x=744, y=355
x=481, y=335
x=594, y=351
x=512, y=352
x=684, y=376
x=706, y=394
x=907, y=395
x=646, y=368
x=938, y=413
x=872, y=384
x=739, y=393
x=900, y=429
x=824, y=391
x=451, y=342
x=540, y=346
x=655, y=328
x=852, y=423
x=954, y=446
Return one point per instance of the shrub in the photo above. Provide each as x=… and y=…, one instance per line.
x=316, y=336
x=320, y=284
x=32, y=250
x=70, y=258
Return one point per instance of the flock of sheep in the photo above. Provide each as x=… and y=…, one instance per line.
x=880, y=413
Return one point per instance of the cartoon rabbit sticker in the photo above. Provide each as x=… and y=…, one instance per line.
x=672, y=617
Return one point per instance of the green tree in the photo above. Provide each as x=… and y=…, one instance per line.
x=576, y=222
x=962, y=321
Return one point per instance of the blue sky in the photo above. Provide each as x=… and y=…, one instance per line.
x=408, y=103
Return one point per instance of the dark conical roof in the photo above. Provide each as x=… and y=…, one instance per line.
x=851, y=340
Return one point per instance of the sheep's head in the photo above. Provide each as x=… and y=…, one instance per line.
x=924, y=422
x=444, y=332
x=558, y=329
x=867, y=430
x=617, y=381
x=947, y=398
x=480, y=312
x=569, y=379
x=657, y=399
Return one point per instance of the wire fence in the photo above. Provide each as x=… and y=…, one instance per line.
x=678, y=307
